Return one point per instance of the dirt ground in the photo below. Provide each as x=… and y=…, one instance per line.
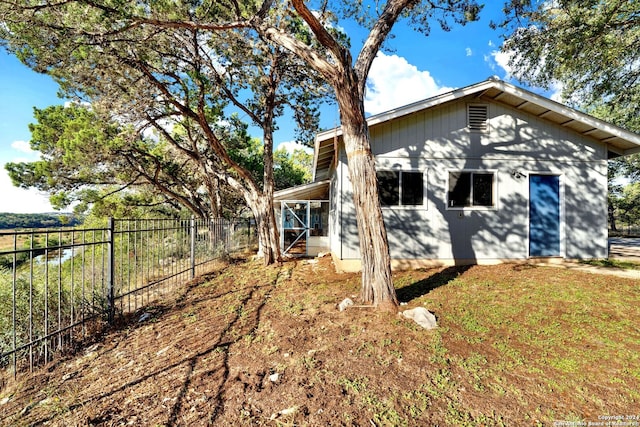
x=254, y=345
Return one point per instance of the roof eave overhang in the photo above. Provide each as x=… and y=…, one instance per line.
x=571, y=114
x=302, y=192
x=631, y=151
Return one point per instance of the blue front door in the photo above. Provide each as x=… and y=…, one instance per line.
x=544, y=215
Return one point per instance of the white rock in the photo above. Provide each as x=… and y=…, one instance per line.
x=274, y=377
x=346, y=303
x=163, y=351
x=68, y=376
x=289, y=411
x=422, y=317
x=145, y=316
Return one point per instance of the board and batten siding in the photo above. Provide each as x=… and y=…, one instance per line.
x=437, y=140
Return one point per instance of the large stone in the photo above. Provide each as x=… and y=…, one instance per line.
x=422, y=317
x=346, y=303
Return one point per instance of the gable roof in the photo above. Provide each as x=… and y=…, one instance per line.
x=619, y=142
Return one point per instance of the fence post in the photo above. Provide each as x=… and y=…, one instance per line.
x=111, y=267
x=193, y=246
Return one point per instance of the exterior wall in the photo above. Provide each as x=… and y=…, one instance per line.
x=335, y=212
x=437, y=140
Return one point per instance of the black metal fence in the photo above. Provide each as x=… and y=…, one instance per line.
x=57, y=286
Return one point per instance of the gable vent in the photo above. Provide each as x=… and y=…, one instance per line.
x=477, y=117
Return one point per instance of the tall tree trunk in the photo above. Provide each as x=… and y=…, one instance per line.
x=214, y=197
x=268, y=182
x=377, y=286
x=268, y=239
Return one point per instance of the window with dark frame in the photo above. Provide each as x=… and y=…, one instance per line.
x=471, y=189
x=401, y=188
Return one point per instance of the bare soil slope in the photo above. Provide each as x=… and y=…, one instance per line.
x=249, y=345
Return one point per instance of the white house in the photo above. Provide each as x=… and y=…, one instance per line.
x=483, y=174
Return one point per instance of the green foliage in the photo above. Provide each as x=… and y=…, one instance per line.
x=613, y=263
x=627, y=204
x=589, y=46
x=72, y=141
x=10, y=221
x=44, y=302
x=291, y=169
x=189, y=85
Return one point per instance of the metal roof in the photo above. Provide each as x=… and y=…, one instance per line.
x=619, y=142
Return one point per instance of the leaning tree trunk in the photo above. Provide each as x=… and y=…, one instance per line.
x=377, y=286
x=261, y=207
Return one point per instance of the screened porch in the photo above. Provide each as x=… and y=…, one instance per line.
x=303, y=219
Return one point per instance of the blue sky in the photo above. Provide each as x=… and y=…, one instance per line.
x=416, y=67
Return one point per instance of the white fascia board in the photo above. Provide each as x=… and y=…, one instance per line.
x=569, y=112
x=287, y=192
x=316, y=152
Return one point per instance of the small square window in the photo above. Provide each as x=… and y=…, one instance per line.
x=401, y=188
x=471, y=189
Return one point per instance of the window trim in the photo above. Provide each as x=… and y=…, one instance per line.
x=400, y=206
x=494, y=189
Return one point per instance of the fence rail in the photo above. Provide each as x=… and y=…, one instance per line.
x=58, y=285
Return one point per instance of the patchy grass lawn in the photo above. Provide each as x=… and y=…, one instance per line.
x=248, y=345
x=613, y=263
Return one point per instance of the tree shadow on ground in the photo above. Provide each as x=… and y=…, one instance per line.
x=424, y=286
x=195, y=361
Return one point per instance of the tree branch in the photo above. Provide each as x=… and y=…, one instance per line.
x=377, y=36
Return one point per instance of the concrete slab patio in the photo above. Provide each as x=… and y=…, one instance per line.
x=620, y=249
x=626, y=248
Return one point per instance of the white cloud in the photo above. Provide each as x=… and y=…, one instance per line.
x=22, y=146
x=393, y=82
x=18, y=200
x=84, y=104
x=499, y=62
x=469, y=51
x=498, y=58
x=556, y=91
x=291, y=146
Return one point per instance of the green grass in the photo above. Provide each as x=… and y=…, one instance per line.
x=544, y=332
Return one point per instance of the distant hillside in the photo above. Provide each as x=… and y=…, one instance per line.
x=40, y=220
